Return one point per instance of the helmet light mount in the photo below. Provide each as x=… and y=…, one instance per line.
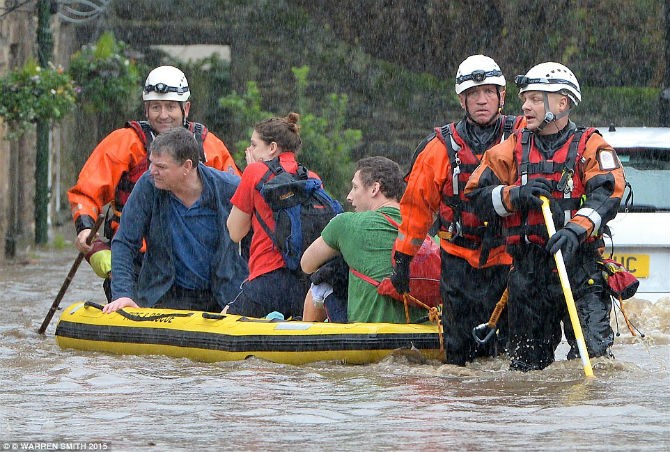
x=478, y=76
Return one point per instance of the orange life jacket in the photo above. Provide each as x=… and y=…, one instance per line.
x=458, y=221
x=529, y=226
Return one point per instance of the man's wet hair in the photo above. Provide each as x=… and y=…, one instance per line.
x=178, y=143
x=386, y=172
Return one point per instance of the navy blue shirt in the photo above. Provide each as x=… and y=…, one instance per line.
x=194, y=238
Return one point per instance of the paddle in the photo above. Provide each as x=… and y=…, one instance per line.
x=70, y=275
x=567, y=291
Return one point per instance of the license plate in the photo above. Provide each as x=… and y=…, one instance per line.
x=637, y=264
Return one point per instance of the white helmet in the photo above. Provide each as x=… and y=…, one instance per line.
x=552, y=78
x=478, y=70
x=166, y=83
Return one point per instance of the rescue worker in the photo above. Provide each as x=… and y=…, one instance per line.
x=474, y=262
x=583, y=178
x=118, y=161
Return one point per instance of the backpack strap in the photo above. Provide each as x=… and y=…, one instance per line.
x=570, y=160
x=144, y=132
x=525, y=156
x=364, y=277
x=273, y=168
x=390, y=220
x=508, y=126
x=446, y=135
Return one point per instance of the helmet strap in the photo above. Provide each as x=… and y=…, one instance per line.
x=501, y=103
x=550, y=117
x=183, y=113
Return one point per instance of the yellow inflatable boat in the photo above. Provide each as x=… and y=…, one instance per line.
x=203, y=336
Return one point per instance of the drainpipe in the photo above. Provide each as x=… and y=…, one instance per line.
x=44, y=54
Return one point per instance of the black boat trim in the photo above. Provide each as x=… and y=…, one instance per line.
x=247, y=343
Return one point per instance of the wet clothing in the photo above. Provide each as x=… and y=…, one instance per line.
x=271, y=286
x=537, y=305
x=472, y=251
x=365, y=240
x=116, y=155
x=189, y=299
x=280, y=290
x=114, y=167
x=588, y=182
x=195, y=235
x=469, y=295
x=148, y=216
x=431, y=189
x=264, y=255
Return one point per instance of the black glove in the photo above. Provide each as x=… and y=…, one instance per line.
x=564, y=240
x=400, y=275
x=527, y=196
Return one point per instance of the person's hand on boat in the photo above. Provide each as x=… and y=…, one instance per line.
x=119, y=303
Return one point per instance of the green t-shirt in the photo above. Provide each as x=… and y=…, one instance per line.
x=365, y=240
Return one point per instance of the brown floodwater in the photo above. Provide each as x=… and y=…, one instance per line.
x=159, y=403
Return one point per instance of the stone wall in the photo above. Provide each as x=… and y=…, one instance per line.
x=17, y=157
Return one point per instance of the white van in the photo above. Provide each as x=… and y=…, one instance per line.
x=641, y=229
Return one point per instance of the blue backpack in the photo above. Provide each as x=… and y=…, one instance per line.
x=301, y=209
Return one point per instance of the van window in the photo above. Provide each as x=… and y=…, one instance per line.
x=648, y=172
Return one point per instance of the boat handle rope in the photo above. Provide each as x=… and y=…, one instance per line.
x=433, y=315
x=139, y=318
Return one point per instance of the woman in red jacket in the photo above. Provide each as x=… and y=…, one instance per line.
x=271, y=285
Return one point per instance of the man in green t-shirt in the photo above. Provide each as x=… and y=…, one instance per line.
x=365, y=238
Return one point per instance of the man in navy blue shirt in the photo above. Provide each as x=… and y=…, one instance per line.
x=179, y=209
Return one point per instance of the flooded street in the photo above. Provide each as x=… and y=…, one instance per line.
x=158, y=403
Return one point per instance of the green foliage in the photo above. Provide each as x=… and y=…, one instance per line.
x=327, y=143
x=32, y=93
x=109, y=81
x=245, y=111
x=208, y=79
x=59, y=242
x=623, y=106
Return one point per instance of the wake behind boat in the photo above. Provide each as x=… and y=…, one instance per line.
x=211, y=337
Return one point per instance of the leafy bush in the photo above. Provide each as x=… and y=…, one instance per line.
x=327, y=144
x=32, y=93
x=246, y=111
x=109, y=80
x=208, y=80
x=601, y=106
